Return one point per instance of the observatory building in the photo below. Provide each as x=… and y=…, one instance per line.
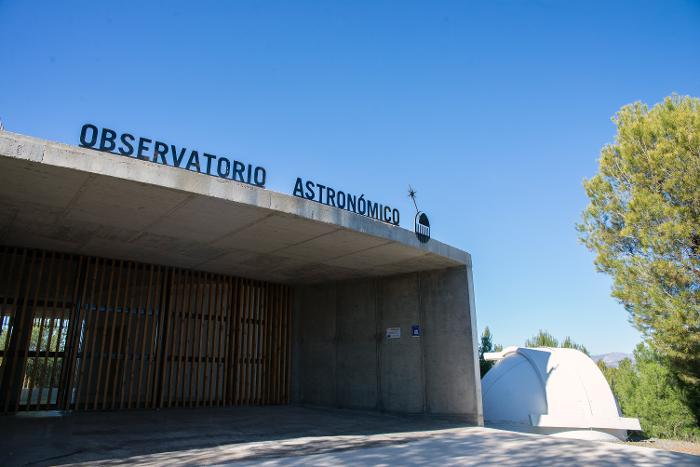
x=128, y=283
x=552, y=391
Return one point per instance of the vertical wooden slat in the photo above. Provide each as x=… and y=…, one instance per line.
x=266, y=349
x=233, y=350
x=220, y=385
x=53, y=313
x=193, y=339
x=168, y=334
x=240, y=335
x=119, y=312
x=8, y=267
x=194, y=367
x=222, y=374
x=268, y=341
x=223, y=342
x=203, y=339
x=156, y=338
x=250, y=387
x=231, y=341
x=149, y=335
x=178, y=336
x=135, y=316
x=184, y=346
x=231, y=287
x=254, y=346
x=144, y=335
x=113, y=305
x=83, y=334
x=74, y=330
x=271, y=326
x=50, y=314
x=218, y=350
x=251, y=349
x=101, y=312
x=270, y=344
x=177, y=332
x=168, y=371
x=122, y=346
x=24, y=318
x=99, y=388
x=12, y=325
x=206, y=338
x=67, y=261
x=199, y=322
x=27, y=316
x=288, y=346
x=256, y=352
x=155, y=344
x=10, y=360
x=240, y=324
x=132, y=311
x=278, y=344
x=8, y=259
x=280, y=383
x=28, y=372
x=91, y=334
x=212, y=314
x=245, y=378
x=280, y=347
x=245, y=294
x=41, y=317
x=261, y=344
x=273, y=341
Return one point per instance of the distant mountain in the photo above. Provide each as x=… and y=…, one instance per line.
x=612, y=359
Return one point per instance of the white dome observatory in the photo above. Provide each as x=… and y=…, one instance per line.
x=552, y=391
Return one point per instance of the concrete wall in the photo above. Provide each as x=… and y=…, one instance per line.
x=342, y=357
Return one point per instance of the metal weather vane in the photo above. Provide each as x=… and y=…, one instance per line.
x=412, y=194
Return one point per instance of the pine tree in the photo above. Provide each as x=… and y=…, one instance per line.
x=643, y=223
x=486, y=345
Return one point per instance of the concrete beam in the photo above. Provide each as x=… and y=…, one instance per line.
x=78, y=200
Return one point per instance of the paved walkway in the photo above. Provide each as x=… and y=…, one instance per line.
x=293, y=436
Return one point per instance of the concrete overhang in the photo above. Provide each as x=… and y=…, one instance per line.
x=70, y=199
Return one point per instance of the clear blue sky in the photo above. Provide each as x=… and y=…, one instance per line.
x=494, y=112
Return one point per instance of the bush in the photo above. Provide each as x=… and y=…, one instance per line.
x=646, y=389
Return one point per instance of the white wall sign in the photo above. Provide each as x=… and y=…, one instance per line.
x=393, y=333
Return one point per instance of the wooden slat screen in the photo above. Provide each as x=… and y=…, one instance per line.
x=87, y=333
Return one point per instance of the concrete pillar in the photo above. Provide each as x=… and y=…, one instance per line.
x=453, y=383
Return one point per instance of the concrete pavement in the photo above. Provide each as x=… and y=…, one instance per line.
x=293, y=436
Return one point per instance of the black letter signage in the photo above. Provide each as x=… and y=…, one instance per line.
x=145, y=149
x=339, y=199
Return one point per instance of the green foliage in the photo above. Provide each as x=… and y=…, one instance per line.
x=545, y=339
x=648, y=390
x=486, y=345
x=40, y=370
x=542, y=339
x=568, y=343
x=643, y=223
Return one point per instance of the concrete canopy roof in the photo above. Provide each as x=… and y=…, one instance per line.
x=77, y=200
